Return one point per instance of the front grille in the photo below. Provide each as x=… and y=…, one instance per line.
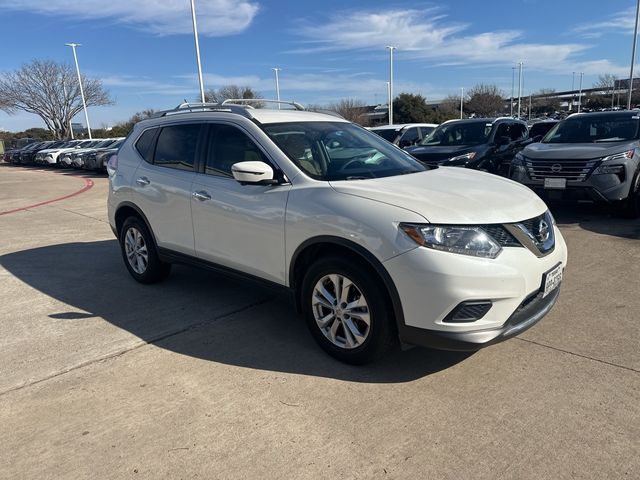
x=572, y=170
x=501, y=235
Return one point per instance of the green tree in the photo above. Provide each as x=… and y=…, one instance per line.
x=411, y=108
x=122, y=129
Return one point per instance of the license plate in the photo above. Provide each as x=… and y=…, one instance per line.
x=552, y=279
x=555, y=183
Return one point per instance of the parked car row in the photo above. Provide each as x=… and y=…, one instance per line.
x=85, y=154
x=586, y=156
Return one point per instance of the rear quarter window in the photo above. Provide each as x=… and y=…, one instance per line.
x=144, y=144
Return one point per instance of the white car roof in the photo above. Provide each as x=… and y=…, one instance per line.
x=264, y=115
x=400, y=126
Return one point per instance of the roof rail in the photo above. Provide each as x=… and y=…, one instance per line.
x=204, y=107
x=237, y=101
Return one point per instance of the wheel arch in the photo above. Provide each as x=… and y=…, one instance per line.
x=313, y=248
x=126, y=210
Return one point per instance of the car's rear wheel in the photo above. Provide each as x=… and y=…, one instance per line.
x=347, y=311
x=140, y=254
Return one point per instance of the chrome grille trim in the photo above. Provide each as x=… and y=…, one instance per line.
x=572, y=170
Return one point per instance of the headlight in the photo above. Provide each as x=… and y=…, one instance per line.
x=517, y=166
x=460, y=159
x=472, y=241
x=607, y=168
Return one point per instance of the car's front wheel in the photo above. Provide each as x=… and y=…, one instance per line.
x=140, y=254
x=347, y=311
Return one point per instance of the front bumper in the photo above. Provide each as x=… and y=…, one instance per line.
x=530, y=312
x=431, y=284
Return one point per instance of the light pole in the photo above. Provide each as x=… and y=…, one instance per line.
x=513, y=81
x=580, y=92
x=461, y=100
x=195, y=38
x=519, y=87
x=573, y=87
x=633, y=55
x=276, y=70
x=391, y=49
x=529, y=116
x=84, y=103
x=64, y=89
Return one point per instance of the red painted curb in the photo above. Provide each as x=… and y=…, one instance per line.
x=87, y=185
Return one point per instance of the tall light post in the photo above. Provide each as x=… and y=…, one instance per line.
x=573, y=88
x=633, y=55
x=513, y=81
x=461, y=100
x=64, y=89
x=195, y=38
x=84, y=103
x=388, y=95
x=580, y=92
x=391, y=49
x=519, y=86
x=276, y=70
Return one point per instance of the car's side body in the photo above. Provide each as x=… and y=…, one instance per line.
x=275, y=232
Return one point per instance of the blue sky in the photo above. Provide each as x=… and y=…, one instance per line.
x=143, y=49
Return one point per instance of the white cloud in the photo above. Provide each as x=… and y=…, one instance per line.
x=166, y=17
x=427, y=35
x=619, y=22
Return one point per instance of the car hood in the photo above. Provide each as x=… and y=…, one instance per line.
x=575, y=151
x=451, y=195
x=434, y=154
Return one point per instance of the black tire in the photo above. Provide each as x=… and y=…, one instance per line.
x=630, y=207
x=155, y=270
x=381, y=335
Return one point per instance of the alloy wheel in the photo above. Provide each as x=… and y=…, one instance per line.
x=136, y=250
x=341, y=311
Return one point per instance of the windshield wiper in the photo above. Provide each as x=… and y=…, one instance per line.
x=355, y=177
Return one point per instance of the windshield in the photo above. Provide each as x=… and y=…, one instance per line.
x=340, y=151
x=595, y=128
x=459, y=133
x=117, y=143
x=389, y=134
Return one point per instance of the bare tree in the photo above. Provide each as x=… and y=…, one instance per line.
x=352, y=110
x=232, y=91
x=485, y=100
x=51, y=91
x=606, y=82
x=449, y=108
x=546, y=101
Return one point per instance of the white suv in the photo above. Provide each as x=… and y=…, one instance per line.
x=374, y=246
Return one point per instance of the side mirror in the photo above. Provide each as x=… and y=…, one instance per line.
x=502, y=141
x=253, y=173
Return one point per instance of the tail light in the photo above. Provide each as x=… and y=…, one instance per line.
x=112, y=165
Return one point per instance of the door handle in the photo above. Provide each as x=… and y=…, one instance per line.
x=201, y=195
x=143, y=181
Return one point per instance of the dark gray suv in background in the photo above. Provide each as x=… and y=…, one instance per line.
x=588, y=156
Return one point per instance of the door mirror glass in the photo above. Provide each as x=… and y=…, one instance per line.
x=253, y=173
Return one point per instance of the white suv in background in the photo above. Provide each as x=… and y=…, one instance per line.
x=374, y=246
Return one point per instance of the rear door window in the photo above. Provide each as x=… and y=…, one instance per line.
x=176, y=146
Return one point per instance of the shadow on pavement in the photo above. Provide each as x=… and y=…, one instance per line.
x=219, y=318
x=595, y=218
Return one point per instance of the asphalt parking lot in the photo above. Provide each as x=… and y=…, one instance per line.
x=203, y=376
